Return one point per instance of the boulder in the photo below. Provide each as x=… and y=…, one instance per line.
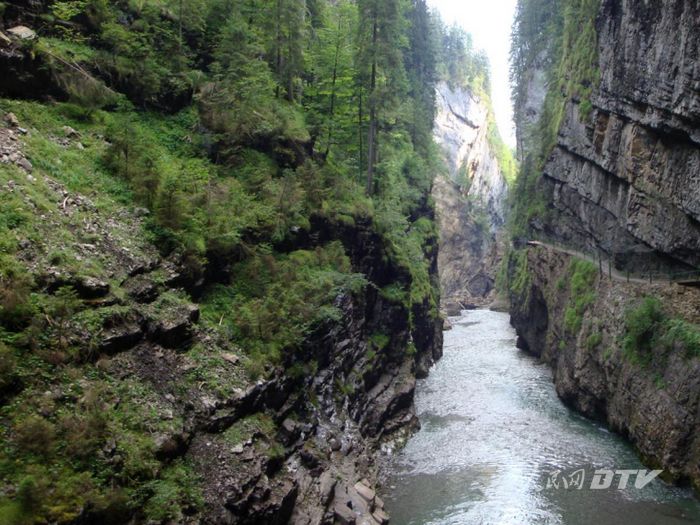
x=344, y=514
x=25, y=164
x=380, y=517
x=365, y=492
x=177, y=329
x=141, y=289
x=12, y=120
x=170, y=447
x=327, y=484
x=70, y=132
x=91, y=288
x=453, y=308
x=120, y=338
x=22, y=32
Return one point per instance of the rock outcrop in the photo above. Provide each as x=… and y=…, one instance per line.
x=621, y=184
x=470, y=196
x=654, y=402
x=300, y=444
x=625, y=179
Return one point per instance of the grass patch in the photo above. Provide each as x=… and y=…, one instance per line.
x=648, y=326
x=582, y=294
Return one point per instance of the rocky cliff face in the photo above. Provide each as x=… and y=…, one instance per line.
x=331, y=424
x=470, y=196
x=621, y=181
x=654, y=402
x=625, y=178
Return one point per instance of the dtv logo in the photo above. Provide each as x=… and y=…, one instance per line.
x=602, y=479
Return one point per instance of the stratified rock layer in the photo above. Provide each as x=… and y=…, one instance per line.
x=655, y=404
x=627, y=179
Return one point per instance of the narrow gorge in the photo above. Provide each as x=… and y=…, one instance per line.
x=273, y=262
x=608, y=141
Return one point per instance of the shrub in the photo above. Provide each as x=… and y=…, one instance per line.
x=174, y=495
x=642, y=326
x=35, y=435
x=679, y=331
x=8, y=365
x=60, y=308
x=593, y=341
x=582, y=294
x=16, y=308
x=648, y=326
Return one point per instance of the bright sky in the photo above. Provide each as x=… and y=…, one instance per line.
x=489, y=22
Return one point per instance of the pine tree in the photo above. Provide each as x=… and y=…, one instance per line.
x=381, y=65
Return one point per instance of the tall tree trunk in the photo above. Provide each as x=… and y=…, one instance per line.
x=333, y=83
x=360, y=117
x=179, y=40
x=278, y=47
x=372, y=136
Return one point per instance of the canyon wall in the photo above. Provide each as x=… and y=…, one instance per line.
x=620, y=185
x=650, y=396
x=623, y=176
x=470, y=196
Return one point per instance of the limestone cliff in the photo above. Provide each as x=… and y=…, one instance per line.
x=619, y=184
x=623, y=176
x=470, y=196
x=651, y=396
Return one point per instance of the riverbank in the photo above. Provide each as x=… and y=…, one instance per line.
x=617, y=353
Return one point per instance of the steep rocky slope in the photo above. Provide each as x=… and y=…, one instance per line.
x=175, y=393
x=205, y=316
x=618, y=184
x=470, y=197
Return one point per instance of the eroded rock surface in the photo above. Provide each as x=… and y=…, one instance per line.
x=470, y=198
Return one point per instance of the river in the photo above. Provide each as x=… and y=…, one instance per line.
x=493, y=432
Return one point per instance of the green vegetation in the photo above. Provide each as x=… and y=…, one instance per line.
x=516, y=264
x=64, y=453
x=594, y=340
x=582, y=294
x=648, y=326
x=276, y=300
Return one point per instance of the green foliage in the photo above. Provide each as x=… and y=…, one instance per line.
x=642, y=327
x=245, y=428
x=594, y=340
x=8, y=368
x=504, y=155
x=239, y=126
x=520, y=279
x=59, y=309
x=582, y=294
x=175, y=494
x=459, y=64
x=379, y=341
x=648, y=326
x=274, y=302
x=683, y=333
